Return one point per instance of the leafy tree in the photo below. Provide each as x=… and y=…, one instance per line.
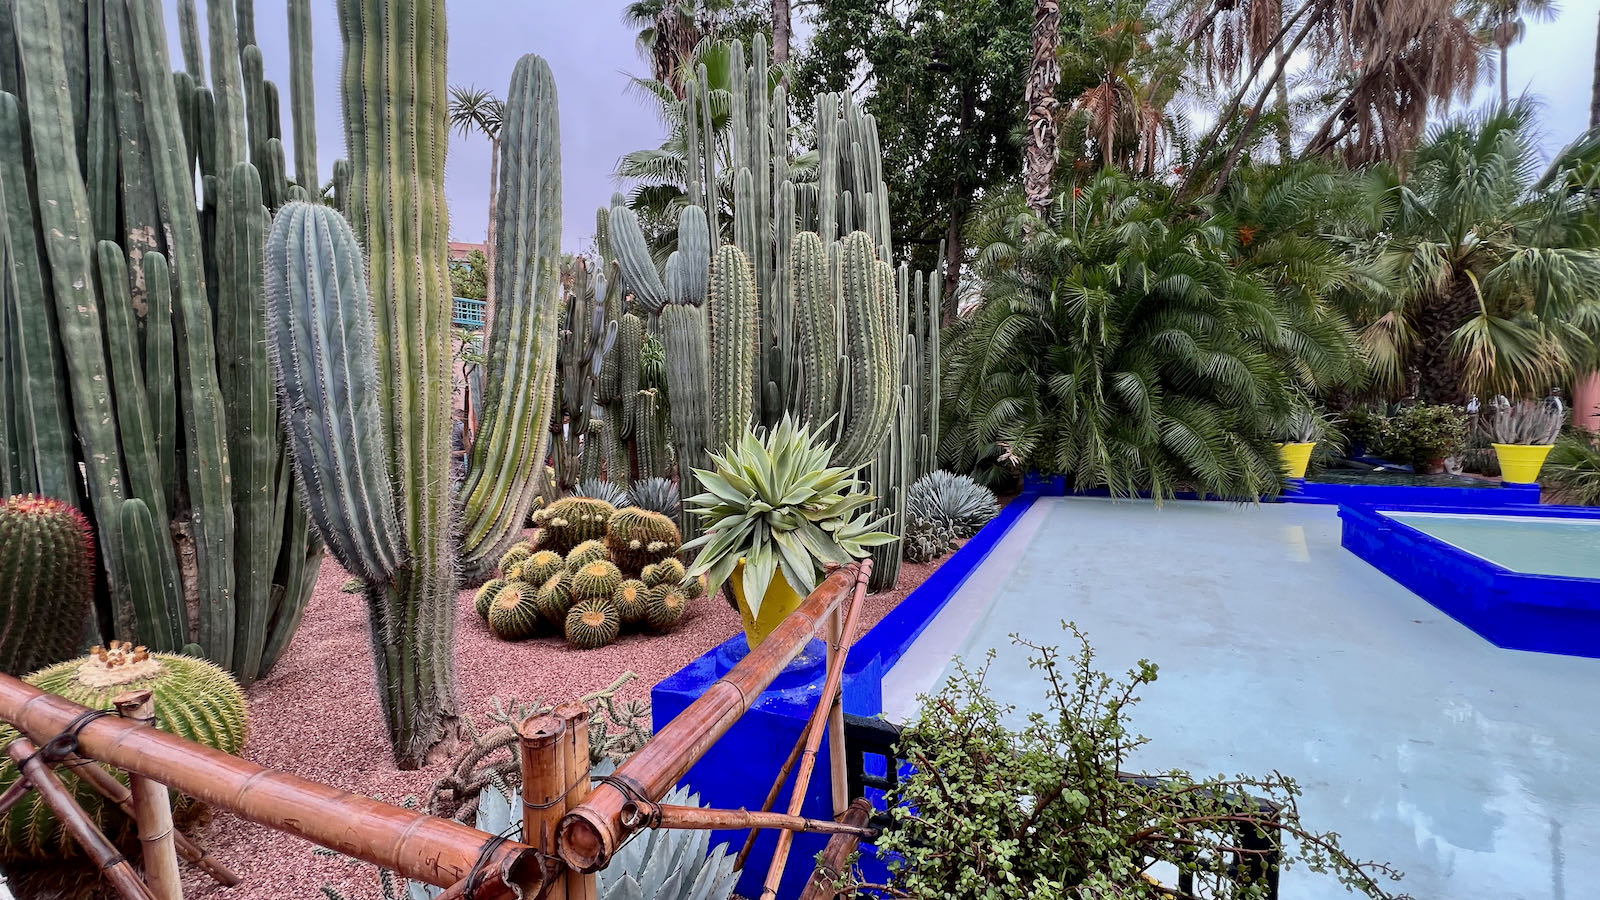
x=469, y=278
x=1134, y=343
x=1500, y=267
x=944, y=79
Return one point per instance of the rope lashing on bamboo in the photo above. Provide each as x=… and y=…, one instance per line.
x=637, y=809
x=65, y=743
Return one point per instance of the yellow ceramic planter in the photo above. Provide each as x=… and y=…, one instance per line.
x=1296, y=457
x=1520, y=463
x=779, y=602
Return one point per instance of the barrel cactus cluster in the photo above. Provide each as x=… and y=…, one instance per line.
x=46, y=582
x=134, y=314
x=590, y=573
x=792, y=306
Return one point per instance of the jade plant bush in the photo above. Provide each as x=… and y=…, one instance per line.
x=1422, y=434
x=773, y=501
x=1044, y=810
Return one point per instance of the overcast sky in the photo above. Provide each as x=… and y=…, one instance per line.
x=591, y=53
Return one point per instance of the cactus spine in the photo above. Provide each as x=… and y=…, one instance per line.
x=46, y=581
x=394, y=90
x=509, y=453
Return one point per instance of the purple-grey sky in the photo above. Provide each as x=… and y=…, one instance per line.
x=590, y=50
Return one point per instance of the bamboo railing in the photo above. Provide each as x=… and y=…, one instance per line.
x=573, y=827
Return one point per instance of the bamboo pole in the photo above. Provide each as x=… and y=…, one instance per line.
x=831, y=864
x=412, y=844
x=14, y=793
x=110, y=861
x=819, y=719
x=772, y=797
x=699, y=817
x=152, y=809
x=544, y=789
x=575, y=749
x=591, y=833
x=110, y=788
x=839, y=766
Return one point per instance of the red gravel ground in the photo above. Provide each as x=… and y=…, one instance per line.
x=317, y=715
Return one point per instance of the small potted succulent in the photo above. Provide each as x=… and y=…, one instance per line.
x=1523, y=435
x=1299, y=433
x=774, y=513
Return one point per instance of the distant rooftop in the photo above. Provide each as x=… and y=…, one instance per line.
x=463, y=249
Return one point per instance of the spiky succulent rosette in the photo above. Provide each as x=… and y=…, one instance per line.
x=592, y=623
x=193, y=699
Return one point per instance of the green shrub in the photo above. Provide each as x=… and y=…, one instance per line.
x=1572, y=472
x=995, y=813
x=1421, y=433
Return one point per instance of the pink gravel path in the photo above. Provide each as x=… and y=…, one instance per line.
x=317, y=715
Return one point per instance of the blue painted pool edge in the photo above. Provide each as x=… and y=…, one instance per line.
x=737, y=771
x=1512, y=610
x=1339, y=494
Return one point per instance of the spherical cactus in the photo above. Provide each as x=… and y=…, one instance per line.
x=485, y=596
x=514, y=614
x=638, y=537
x=695, y=588
x=46, y=582
x=631, y=599
x=570, y=521
x=596, y=581
x=592, y=623
x=668, y=571
x=538, y=568
x=555, y=598
x=666, y=607
x=193, y=699
x=585, y=553
x=515, y=556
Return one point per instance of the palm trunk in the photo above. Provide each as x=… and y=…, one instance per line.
x=1285, y=123
x=1440, y=374
x=960, y=202
x=1039, y=160
x=780, y=31
x=1505, y=87
x=488, y=248
x=1594, y=87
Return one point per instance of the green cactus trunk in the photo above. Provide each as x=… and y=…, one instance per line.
x=683, y=335
x=396, y=130
x=733, y=311
x=508, y=455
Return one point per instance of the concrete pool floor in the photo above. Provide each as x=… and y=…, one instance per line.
x=1475, y=770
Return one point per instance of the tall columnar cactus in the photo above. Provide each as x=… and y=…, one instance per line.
x=650, y=435
x=394, y=91
x=732, y=310
x=867, y=295
x=683, y=334
x=46, y=581
x=508, y=455
x=586, y=339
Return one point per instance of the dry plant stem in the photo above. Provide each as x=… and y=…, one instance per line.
x=591, y=833
x=819, y=722
x=152, y=809
x=117, y=792
x=772, y=797
x=575, y=757
x=701, y=818
x=840, y=776
x=111, y=864
x=835, y=858
x=412, y=844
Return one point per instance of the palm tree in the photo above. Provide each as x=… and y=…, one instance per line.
x=473, y=109
x=1501, y=23
x=1120, y=341
x=1500, y=267
x=1039, y=96
x=1124, y=111
x=668, y=33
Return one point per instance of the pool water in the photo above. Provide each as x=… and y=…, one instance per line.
x=1533, y=546
x=1469, y=767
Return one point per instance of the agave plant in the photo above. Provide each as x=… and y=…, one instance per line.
x=1528, y=422
x=774, y=501
x=657, y=495
x=600, y=489
x=957, y=502
x=662, y=864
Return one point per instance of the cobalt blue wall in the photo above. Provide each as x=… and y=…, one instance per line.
x=1514, y=610
x=1490, y=495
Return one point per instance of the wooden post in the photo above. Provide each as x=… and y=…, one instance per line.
x=575, y=749
x=544, y=787
x=152, y=809
x=110, y=788
x=591, y=833
x=831, y=864
x=838, y=644
x=819, y=718
x=699, y=818
x=55, y=795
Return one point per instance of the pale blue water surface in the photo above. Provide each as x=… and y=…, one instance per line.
x=1476, y=770
x=1536, y=546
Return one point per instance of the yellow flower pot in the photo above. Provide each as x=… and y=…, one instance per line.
x=1296, y=457
x=1520, y=463
x=779, y=602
